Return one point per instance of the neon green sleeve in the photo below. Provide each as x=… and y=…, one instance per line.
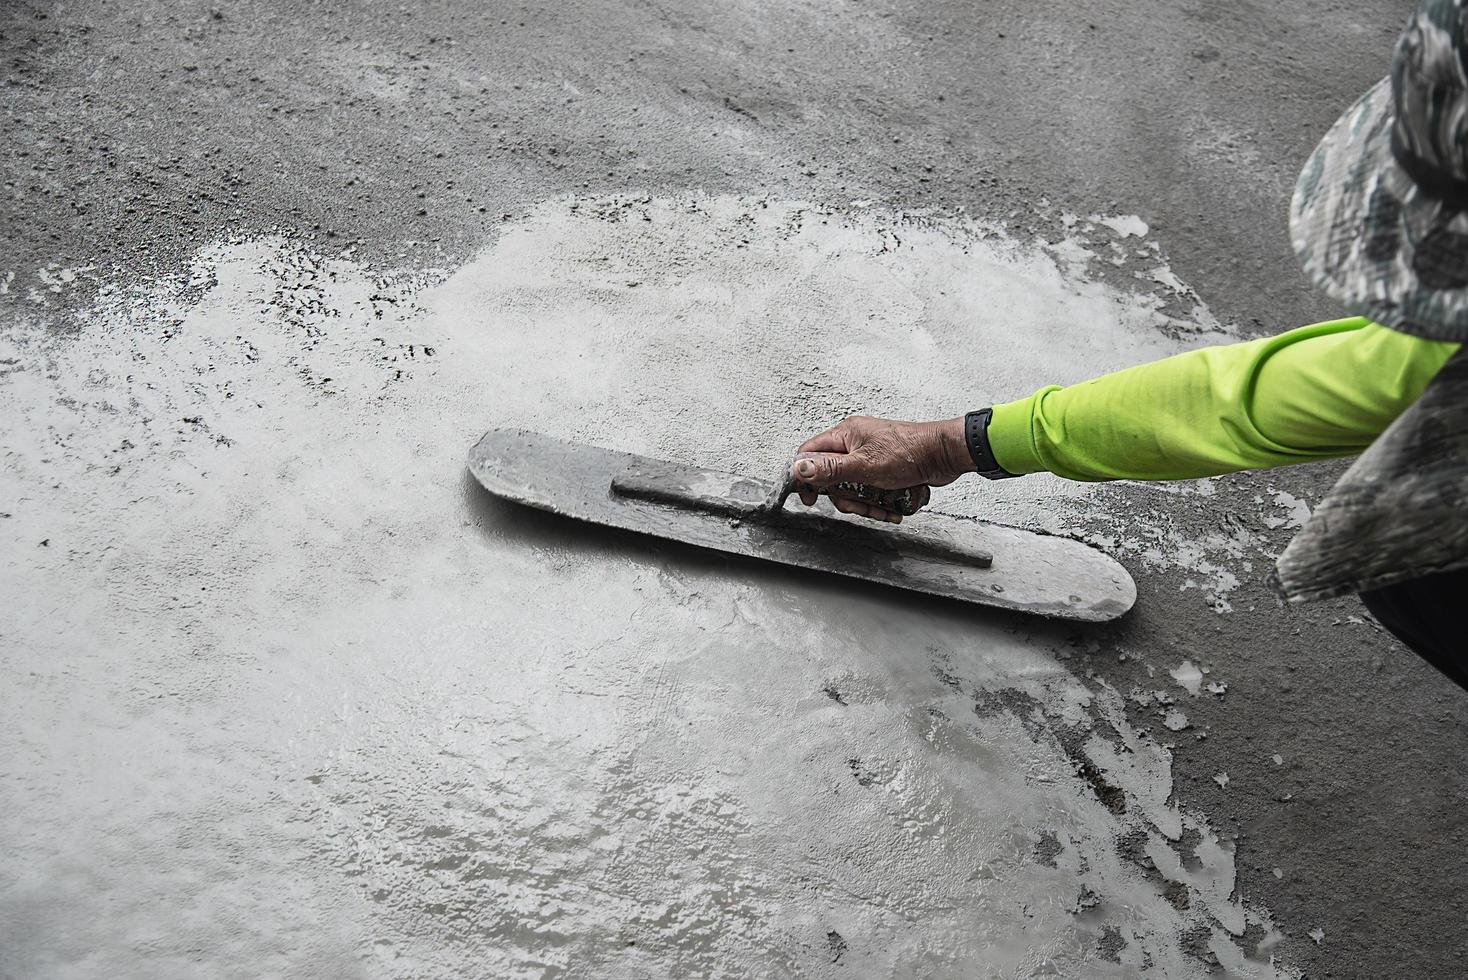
x=1317, y=392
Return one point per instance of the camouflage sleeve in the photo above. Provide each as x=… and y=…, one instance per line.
x=1316, y=392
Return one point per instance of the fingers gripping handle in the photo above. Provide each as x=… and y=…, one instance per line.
x=907, y=501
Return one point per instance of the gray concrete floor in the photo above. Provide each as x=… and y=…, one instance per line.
x=137, y=134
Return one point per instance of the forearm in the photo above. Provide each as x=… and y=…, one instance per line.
x=1314, y=393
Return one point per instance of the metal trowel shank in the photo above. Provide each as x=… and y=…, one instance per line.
x=970, y=560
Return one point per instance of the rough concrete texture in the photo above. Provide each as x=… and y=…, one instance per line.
x=289, y=695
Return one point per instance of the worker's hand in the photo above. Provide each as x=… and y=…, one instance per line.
x=887, y=454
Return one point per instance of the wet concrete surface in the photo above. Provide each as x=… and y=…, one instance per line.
x=393, y=736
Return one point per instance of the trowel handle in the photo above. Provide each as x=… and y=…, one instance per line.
x=906, y=502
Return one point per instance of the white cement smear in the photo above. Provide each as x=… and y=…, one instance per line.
x=1297, y=511
x=793, y=317
x=288, y=694
x=1188, y=676
x=1125, y=225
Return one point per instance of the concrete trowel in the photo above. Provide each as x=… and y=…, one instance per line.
x=935, y=554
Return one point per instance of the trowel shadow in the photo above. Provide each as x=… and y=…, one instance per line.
x=540, y=530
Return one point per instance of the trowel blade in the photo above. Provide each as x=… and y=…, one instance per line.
x=935, y=554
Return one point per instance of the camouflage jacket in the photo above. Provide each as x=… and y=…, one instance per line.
x=1400, y=511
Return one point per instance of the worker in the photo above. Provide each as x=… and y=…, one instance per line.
x=1379, y=218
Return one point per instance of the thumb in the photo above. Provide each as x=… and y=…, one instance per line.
x=823, y=469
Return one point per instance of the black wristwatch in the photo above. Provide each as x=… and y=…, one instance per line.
x=976, y=437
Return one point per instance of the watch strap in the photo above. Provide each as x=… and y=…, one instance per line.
x=976, y=438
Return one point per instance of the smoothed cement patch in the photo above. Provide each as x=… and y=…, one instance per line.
x=290, y=694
